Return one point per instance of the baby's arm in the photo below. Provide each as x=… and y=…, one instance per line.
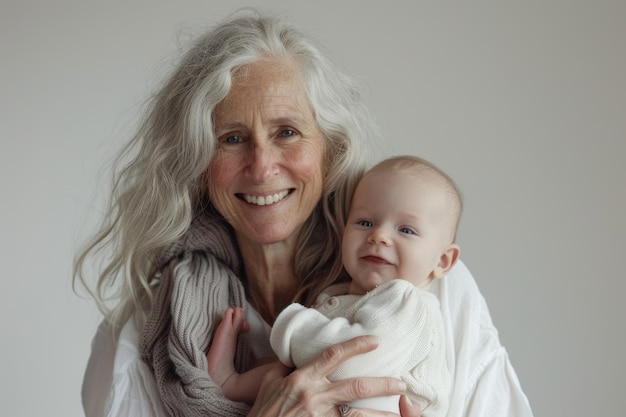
x=403, y=317
x=221, y=356
x=300, y=333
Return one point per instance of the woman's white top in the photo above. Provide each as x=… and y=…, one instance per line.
x=118, y=384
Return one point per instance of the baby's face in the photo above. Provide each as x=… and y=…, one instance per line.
x=398, y=227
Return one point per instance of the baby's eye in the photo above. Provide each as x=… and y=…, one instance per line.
x=365, y=223
x=407, y=230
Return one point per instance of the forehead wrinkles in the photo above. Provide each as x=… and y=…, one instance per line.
x=273, y=86
x=285, y=96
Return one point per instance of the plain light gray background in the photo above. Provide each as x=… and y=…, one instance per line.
x=523, y=103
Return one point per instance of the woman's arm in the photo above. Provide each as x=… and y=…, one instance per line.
x=485, y=383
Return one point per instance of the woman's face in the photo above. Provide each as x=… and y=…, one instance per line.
x=266, y=176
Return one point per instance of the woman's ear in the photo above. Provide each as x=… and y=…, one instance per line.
x=447, y=260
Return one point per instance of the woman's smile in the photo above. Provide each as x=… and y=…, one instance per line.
x=264, y=200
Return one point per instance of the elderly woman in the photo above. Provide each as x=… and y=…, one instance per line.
x=234, y=194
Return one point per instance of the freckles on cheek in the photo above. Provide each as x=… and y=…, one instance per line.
x=311, y=160
x=217, y=171
x=216, y=179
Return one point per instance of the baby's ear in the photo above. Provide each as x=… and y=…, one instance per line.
x=447, y=260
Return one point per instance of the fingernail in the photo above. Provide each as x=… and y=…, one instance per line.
x=403, y=385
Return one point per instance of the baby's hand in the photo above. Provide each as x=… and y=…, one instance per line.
x=221, y=354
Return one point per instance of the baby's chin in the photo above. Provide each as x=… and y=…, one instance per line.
x=363, y=286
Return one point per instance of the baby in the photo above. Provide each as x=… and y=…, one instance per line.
x=399, y=237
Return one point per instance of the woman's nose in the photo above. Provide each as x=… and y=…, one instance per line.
x=263, y=162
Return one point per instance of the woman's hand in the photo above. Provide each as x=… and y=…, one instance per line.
x=307, y=391
x=407, y=409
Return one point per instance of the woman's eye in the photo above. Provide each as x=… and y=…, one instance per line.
x=365, y=223
x=232, y=139
x=287, y=133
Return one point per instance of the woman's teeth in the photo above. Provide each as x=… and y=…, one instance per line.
x=265, y=200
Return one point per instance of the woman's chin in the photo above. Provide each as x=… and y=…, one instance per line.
x=269, y=234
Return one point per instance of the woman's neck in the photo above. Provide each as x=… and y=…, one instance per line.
x=270, y=276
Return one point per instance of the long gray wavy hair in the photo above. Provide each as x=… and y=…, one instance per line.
x=159, y=189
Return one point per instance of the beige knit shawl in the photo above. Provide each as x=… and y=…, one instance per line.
x=198, y=282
